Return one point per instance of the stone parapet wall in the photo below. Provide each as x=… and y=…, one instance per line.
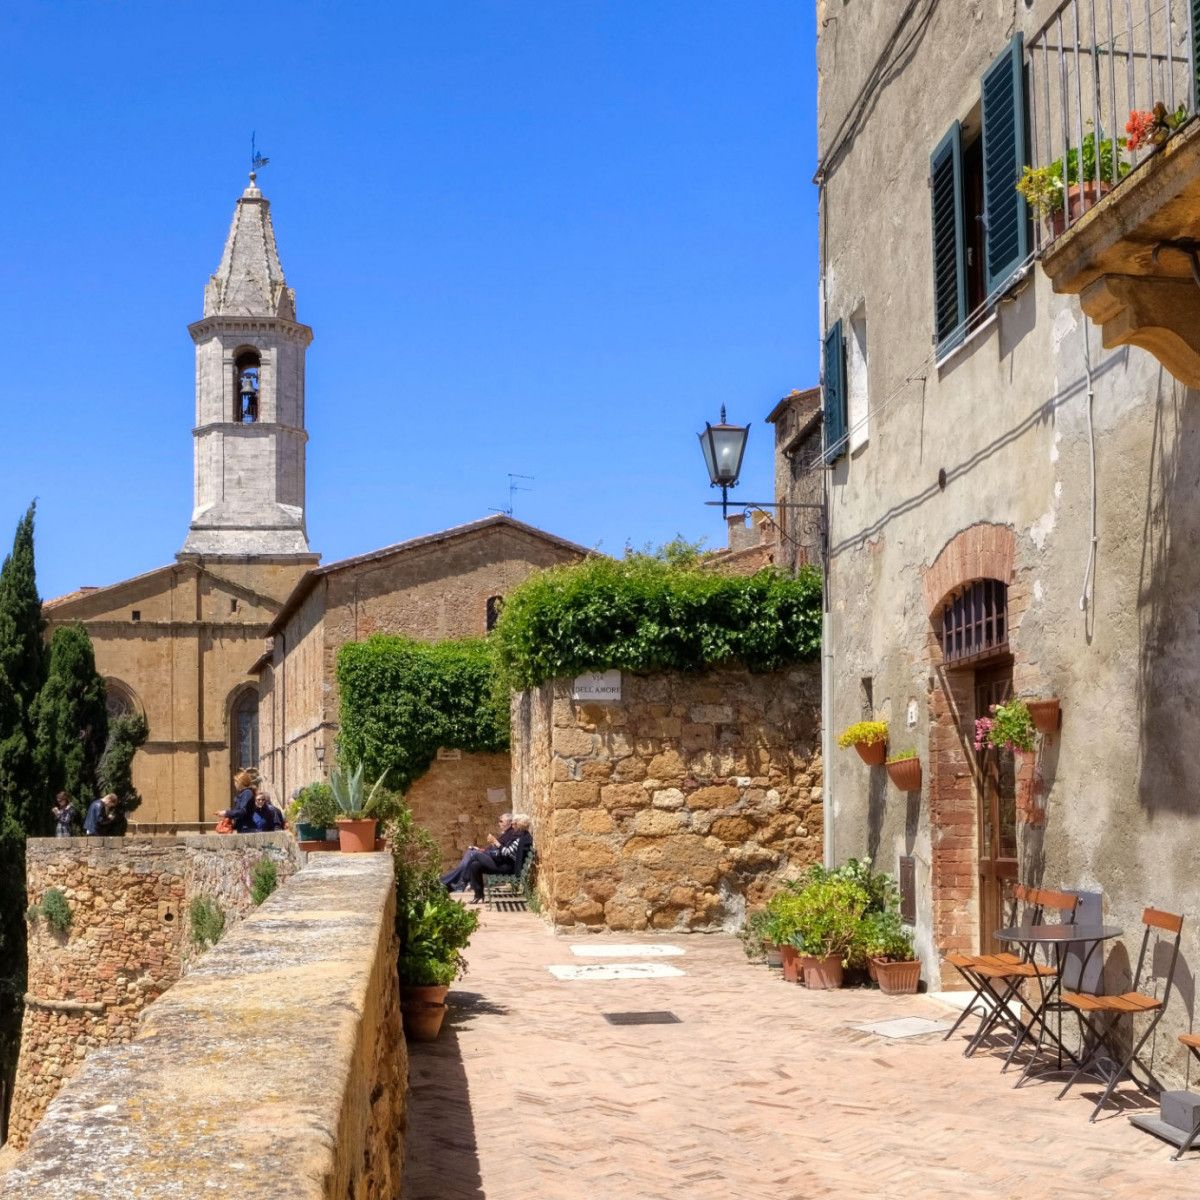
x=129, y=941
x=676, y=806
x=277, y=1067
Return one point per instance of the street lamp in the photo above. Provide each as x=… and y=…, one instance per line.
x=724, y=446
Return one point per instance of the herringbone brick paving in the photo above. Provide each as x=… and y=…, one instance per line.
x=763, y=1090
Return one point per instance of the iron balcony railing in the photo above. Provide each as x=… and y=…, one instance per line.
x=1096, y=72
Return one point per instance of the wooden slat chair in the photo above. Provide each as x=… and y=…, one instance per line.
x=985, y=1001
x=1098, y=1015
x=509, y=888
x=1192, y=1042
x=1007, y=977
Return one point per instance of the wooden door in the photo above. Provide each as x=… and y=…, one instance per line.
x=997, y=795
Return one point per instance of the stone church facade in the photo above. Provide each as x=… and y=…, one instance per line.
x=184, y=644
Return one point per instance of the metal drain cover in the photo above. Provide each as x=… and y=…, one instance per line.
x=641, y=1018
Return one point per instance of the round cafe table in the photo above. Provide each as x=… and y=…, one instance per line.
x=1056, y=939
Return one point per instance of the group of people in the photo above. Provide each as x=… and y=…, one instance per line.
x=252, y=810
x=103, y=817
x=505, y=855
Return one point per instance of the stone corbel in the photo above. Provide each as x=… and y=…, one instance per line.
x=1156, y=314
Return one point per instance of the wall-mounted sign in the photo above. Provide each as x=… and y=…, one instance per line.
x=497, y=795
x=597, y=687
x=447, y=755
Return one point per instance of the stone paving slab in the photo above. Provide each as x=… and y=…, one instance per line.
x=762, y=1090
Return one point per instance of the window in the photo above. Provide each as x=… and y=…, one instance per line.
x=975, y=622
x=246, y=385
x=244, y=722
x=495, y=605
x=833, y=393
x=118, y=699
x=856, y=381
x=980, y=222
x=136, y=615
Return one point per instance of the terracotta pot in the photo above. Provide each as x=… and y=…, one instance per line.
x=313, y=847
x=434, y=993
x=824, y=973
x=790, y=961
x=356, y=837
x=871, y=970
x=1046, y=714
x=1076, y=196
x=905, y=773
x=422, y=1022
x=807, y=963
x=897, y=978
x=872, y=753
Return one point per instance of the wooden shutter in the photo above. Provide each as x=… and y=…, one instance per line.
x=834, y=393
x=1006, y=219
x=949, y=245
x=1196, y=54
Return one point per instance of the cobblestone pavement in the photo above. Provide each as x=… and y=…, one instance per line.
x=762, y=1089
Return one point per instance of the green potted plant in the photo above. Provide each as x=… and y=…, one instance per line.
x=1042, y=187
x=869, y=738
x=779, y=929
x=1008, y=726
x=312, y=813
x=1153, y=127
x=904, y=770
x=828, y=915
x=355, y=823
x=889, y=947
x=756, y=941
x=434, y=931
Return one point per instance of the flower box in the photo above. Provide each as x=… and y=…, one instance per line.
x=897, y=978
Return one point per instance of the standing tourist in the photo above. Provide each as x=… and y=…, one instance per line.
x=101, y=819
x=64, y=815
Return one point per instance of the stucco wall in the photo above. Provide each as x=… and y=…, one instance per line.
x=277, y=1067
x=1006, y=418
x=675, y=806
x=129, y=941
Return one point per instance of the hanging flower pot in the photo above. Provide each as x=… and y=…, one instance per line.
x=869, y=738
x=905, y=773
x=1046, y=714
x=872, y=753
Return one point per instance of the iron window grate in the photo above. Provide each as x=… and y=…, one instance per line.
x=641, y=1018
x=975, y=622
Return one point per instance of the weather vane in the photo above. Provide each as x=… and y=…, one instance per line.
x=257, y=161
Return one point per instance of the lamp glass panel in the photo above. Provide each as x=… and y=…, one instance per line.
x=729, y=443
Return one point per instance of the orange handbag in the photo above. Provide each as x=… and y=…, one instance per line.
x=224, y=825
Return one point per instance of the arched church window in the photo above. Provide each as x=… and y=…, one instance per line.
x=975, y=621
x=244, y=721
x=246, y=386
x=118, y=699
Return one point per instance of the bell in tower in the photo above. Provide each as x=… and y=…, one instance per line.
x=246, y=367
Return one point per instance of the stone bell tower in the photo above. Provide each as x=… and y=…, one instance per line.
x=249, y=434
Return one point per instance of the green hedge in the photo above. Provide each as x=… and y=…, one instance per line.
x=642, y=613
x=402, y=699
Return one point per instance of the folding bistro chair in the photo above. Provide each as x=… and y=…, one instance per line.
x=1011, y=976
x=986, y=1001
x=1100, y=1014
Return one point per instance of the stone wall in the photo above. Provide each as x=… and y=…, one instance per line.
x=276, y=1068
x=459, y=798
x=129, y=941
x=677, y=805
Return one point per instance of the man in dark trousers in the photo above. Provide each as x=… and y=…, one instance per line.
x=101, y=819
x=456, y=879
x=507, y=860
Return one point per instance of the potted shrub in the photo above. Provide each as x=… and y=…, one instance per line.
x=756, y=941
x=1008, y=726
x=313, y=812
x=869, y=738
x=355, y=824
x=828, y=915
x=904, y=770
x=434, y=931
x=889, y=947
x=779, y=929
x=1042, y=187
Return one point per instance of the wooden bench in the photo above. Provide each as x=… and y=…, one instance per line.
x=510, y=889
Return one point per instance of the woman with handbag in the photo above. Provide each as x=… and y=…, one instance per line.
x=237, y=819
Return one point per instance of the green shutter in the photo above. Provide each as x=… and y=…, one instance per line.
x=1196, y=55
x=834, y=395
x=1006, y=218
x=949, y=244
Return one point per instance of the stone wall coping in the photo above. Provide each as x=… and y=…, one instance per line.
x=237, y=1080
x=117, y=845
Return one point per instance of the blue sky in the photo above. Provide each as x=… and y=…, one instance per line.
x=549, y=237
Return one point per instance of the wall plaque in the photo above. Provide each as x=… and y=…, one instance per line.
x=908, y=889
x=597, y=687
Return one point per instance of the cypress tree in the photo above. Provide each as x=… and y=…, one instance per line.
x=22, y=672
x=70, y=720
x=125, y=735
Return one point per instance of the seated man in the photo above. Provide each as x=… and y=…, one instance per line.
x=508, y=860
x=456, y=879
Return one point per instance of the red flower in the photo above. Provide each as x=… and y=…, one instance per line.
x=1140, y=127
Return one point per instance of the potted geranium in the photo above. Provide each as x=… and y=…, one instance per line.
x=355, y=823
x=1087, y=181
x=869, y=738
x=828, y=915
x=904, y=770
x=889, y=947
x=1008, y=726
x=1153, y=127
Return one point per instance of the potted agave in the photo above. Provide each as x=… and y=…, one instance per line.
x=355, y=824
x=889, y=948
x=869, y=738
x=904, y=770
